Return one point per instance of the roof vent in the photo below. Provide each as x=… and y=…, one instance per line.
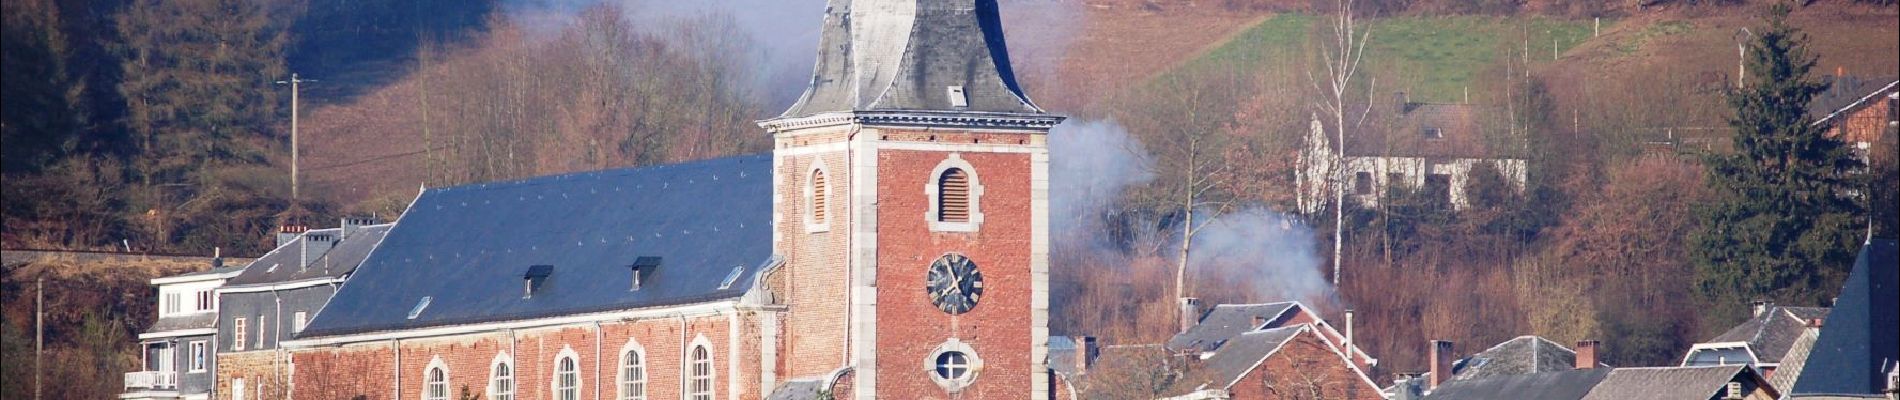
x=420, y=305
x=644, y=265
x=957, y=98
x=533, y=278
x=731, y=277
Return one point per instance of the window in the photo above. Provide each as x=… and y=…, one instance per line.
x=237, y=389
x=633, y=376
x=953, y=196
x=237, y=334
x=302, y=318
x=1433, y=133
x=198, y=355
x=1396, y=179
x=262, y=330
x=700, y=387
x=501, y=381
x=170, y=303
x=567, y=379
x=1362, y=183
x=1439, y=187
x=953, y=365
x=206, y=301
x=168, y=359
x=435, y=385
x=819, y=193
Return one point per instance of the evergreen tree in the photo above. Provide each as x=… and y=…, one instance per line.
x=1786, y=223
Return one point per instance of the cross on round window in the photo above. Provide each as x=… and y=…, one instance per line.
x=953, y=365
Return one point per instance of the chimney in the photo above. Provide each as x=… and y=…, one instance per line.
x=1190, y=312
x=1399, y=101
x=1405, y=387
x=1587, y=354
x=1441, y=363
x=288, y=233
x=1085, y=350
x=1761, y=306
x=314, y=246
x=1349, y=349
x=217, y=257
x=1735, y=391
x=353, y=225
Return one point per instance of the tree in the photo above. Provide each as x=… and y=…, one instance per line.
x=1341, y=58
x=1785, y=223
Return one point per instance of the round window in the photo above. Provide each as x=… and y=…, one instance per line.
x=953, y=365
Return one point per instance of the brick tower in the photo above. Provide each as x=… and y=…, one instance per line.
x=911, y=198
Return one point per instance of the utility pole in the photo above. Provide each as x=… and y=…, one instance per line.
x=39, y=332
x=293, y=82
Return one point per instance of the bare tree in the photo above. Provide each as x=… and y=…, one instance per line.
x=1341, y=55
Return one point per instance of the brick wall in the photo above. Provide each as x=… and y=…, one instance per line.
x=909, y=327
x=816, y=263
x=1306, y=367
x=370, y=369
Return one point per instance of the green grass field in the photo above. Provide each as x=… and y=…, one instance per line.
x=1436, y=58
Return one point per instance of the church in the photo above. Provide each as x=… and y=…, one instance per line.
x=894, y=243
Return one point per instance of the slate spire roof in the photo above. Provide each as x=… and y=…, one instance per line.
x=912, y=55
x=1857, y=345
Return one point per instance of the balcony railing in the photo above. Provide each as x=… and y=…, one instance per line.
x=151, y=380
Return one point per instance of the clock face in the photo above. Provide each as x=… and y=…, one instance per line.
x=954, y=284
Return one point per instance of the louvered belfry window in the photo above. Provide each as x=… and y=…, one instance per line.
x=953, y=196
x=818, y=196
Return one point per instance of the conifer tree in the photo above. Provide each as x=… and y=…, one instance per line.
x=1786, y=222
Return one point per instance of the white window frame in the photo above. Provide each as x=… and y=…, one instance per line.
x=433, y=389
x=237, y=389
x=554, y=384
x=639, y=385
x=712, y=371
x=262, y=324
x=170, y=303
x=302, y=319
x=812, y=224
x=972, y=360
x=956, y=161
x=496, y=379
x=238, y=332
x=200, y=357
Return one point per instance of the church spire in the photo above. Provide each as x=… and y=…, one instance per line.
x=912, y=55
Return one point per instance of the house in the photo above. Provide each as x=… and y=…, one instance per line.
x=1433, y=147
x=1765, y=340
x=1289, y=362
x=1860, y=111
x=274, y=297
x=1523, y=355
x=1571, y=384
x=893, y=243
x=1856, y=349
x=1720, y=382
x=1228, y=351
x=176, y=359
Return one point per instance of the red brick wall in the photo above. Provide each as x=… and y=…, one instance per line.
x=1304, y=368
x=1866, y=124
x=369, y=369
x=909, y=327
x=815, y=263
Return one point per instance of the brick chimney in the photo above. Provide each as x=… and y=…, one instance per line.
x=1190, y=312
x=1587, y=354
x=1761, y=306
x=1441, y=363
x=288, y=233
x=1085, y=350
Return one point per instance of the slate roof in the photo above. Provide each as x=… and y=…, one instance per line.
x=206, y=273
x=807, y=389
x=1236, y=357
x=1560, y=385
x=1845, y=92
x=1668, y=383
x=1771, y=333
x=1062, y=355
x=1460, y=125
x=905, y=54
x=282, y=264
x=1226, y=321
x=193, y=321
x=1795, y=361
x=1857, y=343
x=466, y=247
x=1518, y=356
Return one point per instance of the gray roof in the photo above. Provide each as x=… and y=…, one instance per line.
x=1518, y=356
x=1771, y=333
x=1062, y=355
x=193, y=321
x=1559, y=385
x=1669, y=383
x=206, y=273
x=1718, y=356
x=807, y=389
x=467, y=247
x=284, y=264
x=1460, y=128
x=1796, y=361
x=1236, y=357
x=1857, y=342
x=1847, y=91
x=905, y=54
x=1226, y=321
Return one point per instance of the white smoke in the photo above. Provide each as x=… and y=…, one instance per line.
x=1268, y=255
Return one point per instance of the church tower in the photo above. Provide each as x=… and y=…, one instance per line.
x=911, y=198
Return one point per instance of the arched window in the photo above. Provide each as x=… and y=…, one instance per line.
x=567, y=378
x=953, y=196
x=820, y=189
x=501, y=380
x=633, y=376
x=700, y=385
x=435, y=385
x=956, y=192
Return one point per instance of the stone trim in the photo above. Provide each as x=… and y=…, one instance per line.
x=554, y=373
x=953, y=385
x=809, y=208
x=620, y=369
x=502, y=358
x=936, y=119
x=976, y=196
